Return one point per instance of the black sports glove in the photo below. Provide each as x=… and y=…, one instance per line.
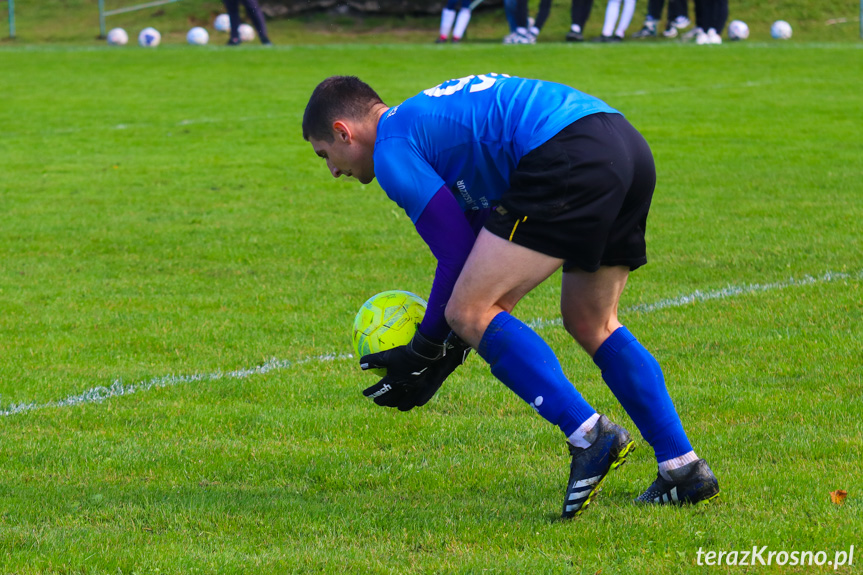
x=404, y=367
x=455, y=354
x=414, y=371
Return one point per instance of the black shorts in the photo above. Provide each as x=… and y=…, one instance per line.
x=582, y=196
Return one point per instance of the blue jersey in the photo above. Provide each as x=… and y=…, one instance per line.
x=470, y=134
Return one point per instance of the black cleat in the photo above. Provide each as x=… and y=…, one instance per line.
x=696, y=483
x=590, y=466
x=573, y=36
x=647, y=31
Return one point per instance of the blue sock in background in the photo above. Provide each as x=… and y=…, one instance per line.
x=527, y=365
x=636, y=380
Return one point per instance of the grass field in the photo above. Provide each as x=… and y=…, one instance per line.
x=180, y=273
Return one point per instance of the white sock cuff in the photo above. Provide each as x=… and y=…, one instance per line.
x=677, y=462
x=577, y=437
x=588, y=424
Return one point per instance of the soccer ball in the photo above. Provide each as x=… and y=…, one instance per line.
x=247, y=33
x=738, y=30
x=117, y=37
x=197, y=36
x=149, y=38
x=222, y=23
x=781, y=30
x=387, y=320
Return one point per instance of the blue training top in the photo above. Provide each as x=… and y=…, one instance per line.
x=470, y=134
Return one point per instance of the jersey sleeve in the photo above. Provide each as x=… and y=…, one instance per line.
x=450, y=237
x=406, y=177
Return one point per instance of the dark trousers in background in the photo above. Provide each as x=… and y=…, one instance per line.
x=711, y=14
x=580, y=11
x=675, y=8
x=253, y=11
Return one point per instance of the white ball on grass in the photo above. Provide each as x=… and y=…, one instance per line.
x=781, y=30
x=197, y=36
x=247, y=33
x=738, y=30
x=149, y=38
x=118, y=37
x=222, y=23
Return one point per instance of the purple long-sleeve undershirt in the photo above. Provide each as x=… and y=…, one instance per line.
x=450, y=234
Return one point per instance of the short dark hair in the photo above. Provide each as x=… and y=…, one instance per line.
x=337, y=97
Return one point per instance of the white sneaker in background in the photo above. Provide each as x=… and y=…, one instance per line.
x=713, y=37
x=520, y=36
x=680, y=22
x=692, y=35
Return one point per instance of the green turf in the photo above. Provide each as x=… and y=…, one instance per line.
x=162, y=215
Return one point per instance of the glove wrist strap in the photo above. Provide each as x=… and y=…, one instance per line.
x=426, y=348
x=454, y=341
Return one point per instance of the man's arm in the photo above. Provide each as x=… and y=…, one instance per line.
x=450, y=237
x=417, y=370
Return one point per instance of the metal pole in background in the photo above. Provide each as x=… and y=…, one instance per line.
x=102, y=18
x=103, y=13
x=12, y=18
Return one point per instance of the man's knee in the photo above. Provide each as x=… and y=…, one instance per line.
x=459, y=317
x=580, y=329
x=590, y=333
x=470, y=321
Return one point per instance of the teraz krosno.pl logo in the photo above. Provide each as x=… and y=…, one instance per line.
x=763, y=556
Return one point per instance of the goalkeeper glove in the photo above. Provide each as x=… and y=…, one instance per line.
x=455, y=354
x=414, y=371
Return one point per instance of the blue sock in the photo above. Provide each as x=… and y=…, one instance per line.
x=525, y=364
x=636, y=380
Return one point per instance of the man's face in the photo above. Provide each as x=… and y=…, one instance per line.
x=346, y=156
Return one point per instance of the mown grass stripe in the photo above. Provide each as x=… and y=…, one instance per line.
x=118, y=388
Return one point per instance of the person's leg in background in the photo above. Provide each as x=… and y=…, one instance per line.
x=253, y=11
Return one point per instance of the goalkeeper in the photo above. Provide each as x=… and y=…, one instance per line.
x=508, y=180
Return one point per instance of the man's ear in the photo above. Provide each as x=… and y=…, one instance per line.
x=342, y=131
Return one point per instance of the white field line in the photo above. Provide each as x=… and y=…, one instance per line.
x=150, y=125
x=834, y=21
x=730, y=291
x=713, y=87
x=118, y=388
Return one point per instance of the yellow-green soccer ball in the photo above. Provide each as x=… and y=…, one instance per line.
x=387, y=320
